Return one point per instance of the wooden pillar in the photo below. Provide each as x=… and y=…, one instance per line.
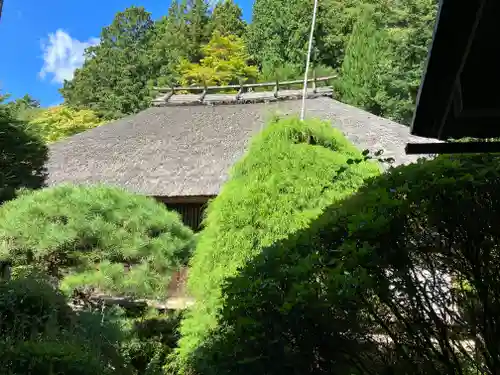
x=276, y=88
x=240, y=91
x=314, y=81
x=170, y=94
x=204, y=93
x=5, y=269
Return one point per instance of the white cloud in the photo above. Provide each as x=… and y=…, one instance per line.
x=213, y=3
x=62, y=55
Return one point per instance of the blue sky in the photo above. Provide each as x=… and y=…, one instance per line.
x=41, y=42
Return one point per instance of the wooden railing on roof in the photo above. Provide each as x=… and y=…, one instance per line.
x=245, y=93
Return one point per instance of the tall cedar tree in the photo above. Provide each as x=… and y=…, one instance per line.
x=113, y=80
x=227, y=19
x=361, y=82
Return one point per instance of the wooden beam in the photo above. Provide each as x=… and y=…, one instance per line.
x=245, y=85
x=452, y=148
x=184, y=199
x=173, y=303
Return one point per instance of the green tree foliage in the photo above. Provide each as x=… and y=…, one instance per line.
x=196, y=19
x=380, y=262
x=59, y=122
x=404, y=32
x=22, y=156
x=361, y=81
x=226, y=19
x=225, y=61
x=178, y=37
x=114, y=78
x=285, y=180
x=279, y=32
x=40, y=334
x=25, y=108
x=95, y=237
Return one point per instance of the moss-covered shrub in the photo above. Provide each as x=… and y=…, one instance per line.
x=291, y=172
x=100, y=237
x=379, y=263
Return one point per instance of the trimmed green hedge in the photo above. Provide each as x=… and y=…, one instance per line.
x=311, y=303
x=86, y=236
x=291, y=172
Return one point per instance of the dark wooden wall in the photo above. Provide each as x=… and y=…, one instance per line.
x=191, y=209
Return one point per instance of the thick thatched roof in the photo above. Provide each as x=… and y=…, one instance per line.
x=187, y=151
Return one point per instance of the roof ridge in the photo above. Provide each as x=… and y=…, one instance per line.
x=240, y=98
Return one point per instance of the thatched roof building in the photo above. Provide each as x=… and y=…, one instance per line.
x=181, y=155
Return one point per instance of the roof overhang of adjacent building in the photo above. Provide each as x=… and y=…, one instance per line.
x=459, y=95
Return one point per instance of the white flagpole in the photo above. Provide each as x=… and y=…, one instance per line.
x=304, y=92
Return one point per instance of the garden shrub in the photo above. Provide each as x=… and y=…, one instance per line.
x=290, y=173
x=22, y=157
x=46, y=357
x=149, y=339
x=29, y=307
x=40, y=334
x=96, y=237
x=380, y=263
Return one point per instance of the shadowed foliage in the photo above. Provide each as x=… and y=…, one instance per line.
x=22, y=156
x=394, y=279
x=40, y=334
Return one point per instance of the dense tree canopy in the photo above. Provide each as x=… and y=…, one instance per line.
x=365, y=66
x=278, y=35
x=114, y=79
x=227, y=19
x=136, y=53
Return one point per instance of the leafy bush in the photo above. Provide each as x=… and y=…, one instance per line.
x=88, y=236
x=149, y=339
x=22, y=156
x=376, y=267
x=46, y=357
x=29, y=307
x=285, y=180
x=40, y=334
x=59, y=122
